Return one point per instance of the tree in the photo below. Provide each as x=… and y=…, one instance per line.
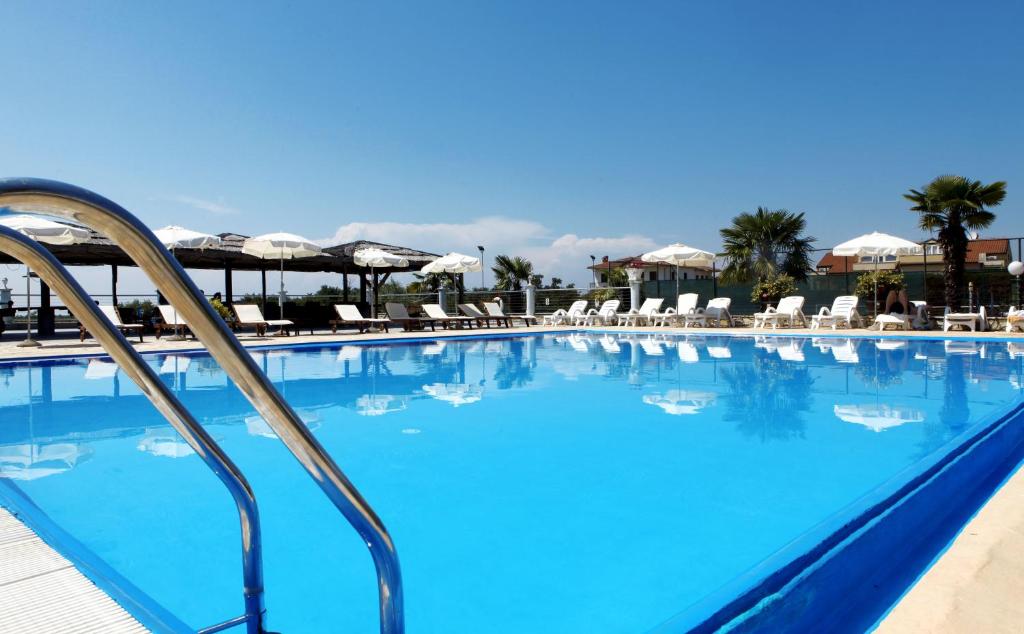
x=556, y=282
x=950, y=206
x=430, y=282
x=763, y=244
x=510, y=273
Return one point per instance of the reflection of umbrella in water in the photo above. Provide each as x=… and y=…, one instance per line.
x=681, y=402
x=877, y=417
x=455, y=393
x=256, y=426
x=380, y=404
x=31, y=461
x=166, y=445
x=890, y=344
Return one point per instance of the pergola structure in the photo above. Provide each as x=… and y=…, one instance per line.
x=99, y=251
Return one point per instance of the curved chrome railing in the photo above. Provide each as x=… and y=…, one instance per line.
x=75, y=298
x=32, y=195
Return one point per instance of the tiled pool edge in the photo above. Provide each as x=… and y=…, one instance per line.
x=849, y=579
x=138, y=604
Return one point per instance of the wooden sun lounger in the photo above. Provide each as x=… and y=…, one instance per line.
x=482, y=319
x=349, y=315
x=111, y=313
x=398, y=314
x=435, y=312
x=249, y=316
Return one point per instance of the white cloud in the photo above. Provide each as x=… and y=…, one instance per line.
x=218, y=208
x=565, y=256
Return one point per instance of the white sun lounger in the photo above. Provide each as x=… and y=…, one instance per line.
x=644, y=316
x=788, y=312
x=112, y=314
x=349, y=315
x=716, y=312
x=969, y=320
x=605, y=316
x=843, y=313
x=686, y=304
x=250, y=315
x=905, y=321
x=1014, y=319
x=565, y=317
x=435, y=312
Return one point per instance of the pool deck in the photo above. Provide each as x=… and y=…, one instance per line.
x=973, y=587
x=41, y=591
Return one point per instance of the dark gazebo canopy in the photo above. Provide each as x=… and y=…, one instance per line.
x=99, y=251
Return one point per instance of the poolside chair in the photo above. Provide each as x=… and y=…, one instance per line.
x=435, y=312
x=483, y=319
x=565, y=317
x=917, y=318
x=686, y=304
x=604, y=316
x=843, y=312
x=398, y=314
x=171, y=321
x=349, y=315
x=643, y=316
x=968, y=320
x=716, y=311
x=788, y=312
x=112, y=314
x=1015, y=319
x=249, y=315
x=494, y=310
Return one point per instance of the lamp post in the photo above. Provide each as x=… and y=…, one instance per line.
x=482, y=267
x=593, y=269
x=1016, y=268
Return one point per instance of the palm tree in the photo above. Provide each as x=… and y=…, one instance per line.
x=763, y=244
x=430, y=282
x=510, y=273
x=952, y=205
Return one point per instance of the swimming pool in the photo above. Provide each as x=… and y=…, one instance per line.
x=542, y=483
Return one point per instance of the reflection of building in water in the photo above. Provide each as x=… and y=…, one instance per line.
x=681, y=402
x=879, y=416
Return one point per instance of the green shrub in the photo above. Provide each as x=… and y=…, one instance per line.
x=772, y=289
x=887, y=281
x=599, y=295
x=222, y=310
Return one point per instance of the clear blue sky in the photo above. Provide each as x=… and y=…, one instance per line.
x=571, y=128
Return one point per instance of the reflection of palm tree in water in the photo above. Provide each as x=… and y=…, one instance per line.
x=766, y=398
x=954, y=415
x=513, y=370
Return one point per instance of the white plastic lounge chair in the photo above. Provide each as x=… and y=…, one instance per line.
x=843, y=313
x=1014, y=319
x=686, y=304
x=248, y=315
x=565, y=317
x=112, y=314
x=643, y=316
x=483, y=319
x=968, y=320
x=606, y=315
x=918, y=318
x=398, y=313
x=789, y=311
x=435, y=312
x=494, y=310
x=349, y=315
x=716, y=312
x=172, y=321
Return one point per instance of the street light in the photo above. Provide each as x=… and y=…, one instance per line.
x=482, y=267
x=1016, y=268
x=593, y=269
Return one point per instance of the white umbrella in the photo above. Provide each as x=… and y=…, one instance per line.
x=174, y=237
x=280, y=246
x=453, y=263
x=877, y=417
x=681, y=402
x=377, y=259
x=679, y=255
x=879, y=245
x=41, y=230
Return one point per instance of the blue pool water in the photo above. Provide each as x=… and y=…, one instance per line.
x=597, y=483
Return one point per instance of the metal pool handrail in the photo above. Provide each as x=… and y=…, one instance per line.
x=33, y=195
x=57, y=277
